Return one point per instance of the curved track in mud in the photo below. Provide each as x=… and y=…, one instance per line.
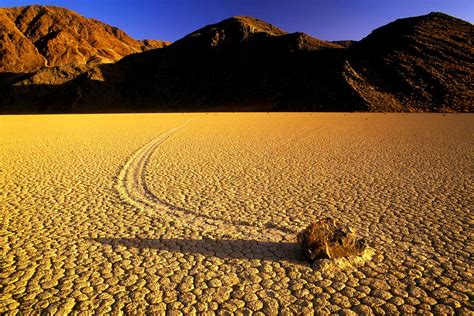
x=133, y=188
x=131, y=179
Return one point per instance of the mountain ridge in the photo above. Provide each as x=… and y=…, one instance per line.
x=413, y=64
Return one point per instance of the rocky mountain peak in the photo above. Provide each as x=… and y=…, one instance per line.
x=254, y=25
x=231, y=31
x=55, y=36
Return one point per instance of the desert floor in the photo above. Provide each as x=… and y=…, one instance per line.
x=148, y=213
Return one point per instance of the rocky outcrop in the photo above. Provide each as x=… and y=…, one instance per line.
x=36, y=36
x=17, y=53
x=148, y=44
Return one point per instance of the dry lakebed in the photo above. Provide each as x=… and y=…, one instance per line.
x=197, y=213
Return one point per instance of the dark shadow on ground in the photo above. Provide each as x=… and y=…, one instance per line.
x=222, y=248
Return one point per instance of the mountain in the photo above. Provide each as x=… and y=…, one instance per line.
x=33, y=37
x=241, y=62
x=422, y=63
x=245, y=64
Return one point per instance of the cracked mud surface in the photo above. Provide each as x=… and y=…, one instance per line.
x=194, y=212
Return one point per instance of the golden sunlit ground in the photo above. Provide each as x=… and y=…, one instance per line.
x=145, y=213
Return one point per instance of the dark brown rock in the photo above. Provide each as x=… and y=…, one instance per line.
x=328, y=239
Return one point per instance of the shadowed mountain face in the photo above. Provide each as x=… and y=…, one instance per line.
x=240, y=63
x=245, y=64
x=417, y=64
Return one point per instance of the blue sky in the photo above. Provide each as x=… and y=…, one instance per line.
x=328, y=19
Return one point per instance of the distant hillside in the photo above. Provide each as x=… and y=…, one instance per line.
x=36, y=36
x=240, y=64
x=423, y=63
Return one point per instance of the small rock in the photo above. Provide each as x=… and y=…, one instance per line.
x=328, y=239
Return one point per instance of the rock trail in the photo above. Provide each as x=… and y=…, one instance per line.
x=133, y=188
